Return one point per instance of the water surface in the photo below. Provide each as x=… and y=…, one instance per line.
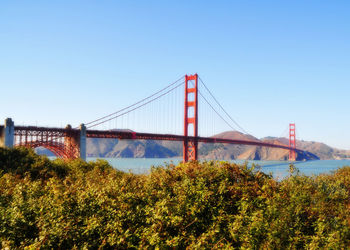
x=279, y=169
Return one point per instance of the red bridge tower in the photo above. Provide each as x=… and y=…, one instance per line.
x=292, y=142
x=190, y=144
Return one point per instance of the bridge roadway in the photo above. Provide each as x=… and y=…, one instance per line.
x=129, y=135
x=53, y=134
x=170, y=137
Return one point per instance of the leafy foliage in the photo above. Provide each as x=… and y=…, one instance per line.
x=57, y=204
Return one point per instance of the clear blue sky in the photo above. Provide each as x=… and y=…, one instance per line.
x=268, y=62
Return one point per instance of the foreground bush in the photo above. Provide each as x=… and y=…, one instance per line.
x=56, y=204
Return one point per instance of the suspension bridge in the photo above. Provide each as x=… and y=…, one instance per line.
x=185, y=111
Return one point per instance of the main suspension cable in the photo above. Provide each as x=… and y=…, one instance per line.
x=141, y=105
x=215, y=110
x=130, y=106
x=217, y=102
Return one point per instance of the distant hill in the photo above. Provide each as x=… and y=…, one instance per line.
x=127, y=148
x=165, y=149
x=226, y=151
x=323, y=151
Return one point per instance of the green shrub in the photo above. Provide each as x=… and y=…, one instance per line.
x=24, y=161
x=74, y=204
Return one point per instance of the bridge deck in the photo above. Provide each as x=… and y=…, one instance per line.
x=170, y=137
x=115, y=134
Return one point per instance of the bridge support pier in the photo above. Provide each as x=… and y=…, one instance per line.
x=75, y=142
x=7, y=134
x=82, y=142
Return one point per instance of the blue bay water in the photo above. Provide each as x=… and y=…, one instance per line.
x=279, y=169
